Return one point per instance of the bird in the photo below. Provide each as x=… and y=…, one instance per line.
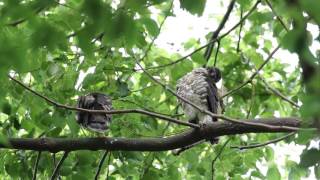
x=199, y=87
x=95, y=122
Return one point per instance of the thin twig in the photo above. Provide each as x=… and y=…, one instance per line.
x=124, y=111
x=263, y=144
x=35, y=169
x=253, y=75
x=177, y=152
x=217, y=156
x=149, y=109
x=108, y=162
x=216, y=55
x=278, y=17
x=56, y=170
x=278, y=93
x=100, y=164
x=212, y=41
x=17, y=22
x=160, y=27
x=215, y=34
x=240, y=29
x=251, y=100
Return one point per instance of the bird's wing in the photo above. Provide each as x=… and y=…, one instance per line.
x=212, y=97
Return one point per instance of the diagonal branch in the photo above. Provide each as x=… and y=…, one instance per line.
x=264, y=144
x=277, y=16
x=254, y=7
x=56, y=170
x=100, y=164
x=217, y=156
x=253, y=75
x=215, y=34
x=124, y=111
x=278, y=93
x=214, y=129
x=210, y=113
x=35, y=169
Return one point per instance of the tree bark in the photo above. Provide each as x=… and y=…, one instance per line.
x=148, y=144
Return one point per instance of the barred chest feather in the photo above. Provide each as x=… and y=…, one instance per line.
x=194, y=86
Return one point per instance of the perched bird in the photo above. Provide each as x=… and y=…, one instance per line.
x=94, y=122
x=199, y=87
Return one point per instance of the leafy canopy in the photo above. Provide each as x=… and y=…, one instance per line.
x=52, y=45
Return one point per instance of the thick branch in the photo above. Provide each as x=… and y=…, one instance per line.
x=148, y=144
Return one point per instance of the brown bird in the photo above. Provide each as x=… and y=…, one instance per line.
x=199, y=87
x=94, y=122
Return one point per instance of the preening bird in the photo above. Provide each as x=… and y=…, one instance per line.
x=94, y=122
x=199, y=87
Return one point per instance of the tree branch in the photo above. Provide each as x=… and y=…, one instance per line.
x=278, y=93
x=278, y=17
x=253, y=75
x=217, y=156
x=100, y=164
x=210, y=113
x=189, y=137
x=56, y=170
x=124, y=111
x=264, y=144
x=35, y=169
x=212, y=41
x=215, y=34
x=240, y=29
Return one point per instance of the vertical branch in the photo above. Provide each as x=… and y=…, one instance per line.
x=253, y=92
x=35, y=169
x=216, y=55
x=215, y=34
x=56, y=170
x=217, y=156
x=101, y=163
x=240, y=29
x=109, y=158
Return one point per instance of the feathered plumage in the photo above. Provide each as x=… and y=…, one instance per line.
x=199, y=87
x=94, y=101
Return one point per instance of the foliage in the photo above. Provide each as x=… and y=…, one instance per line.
x=51, y=46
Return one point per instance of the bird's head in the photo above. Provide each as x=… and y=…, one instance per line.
x=214, y=73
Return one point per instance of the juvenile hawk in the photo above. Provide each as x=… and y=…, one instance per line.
x=94, y=101
x=199, y=87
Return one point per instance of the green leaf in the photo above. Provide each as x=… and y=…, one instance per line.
x=310, y=157
x=122, y=27
x=273, y=173
x=194, y=7
x=198, y=58
x=6, y=108
x=290, y=40
x=311, y=6
x=317, y=171
x=151, y=26
x=269, y=154
x=123, y=89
